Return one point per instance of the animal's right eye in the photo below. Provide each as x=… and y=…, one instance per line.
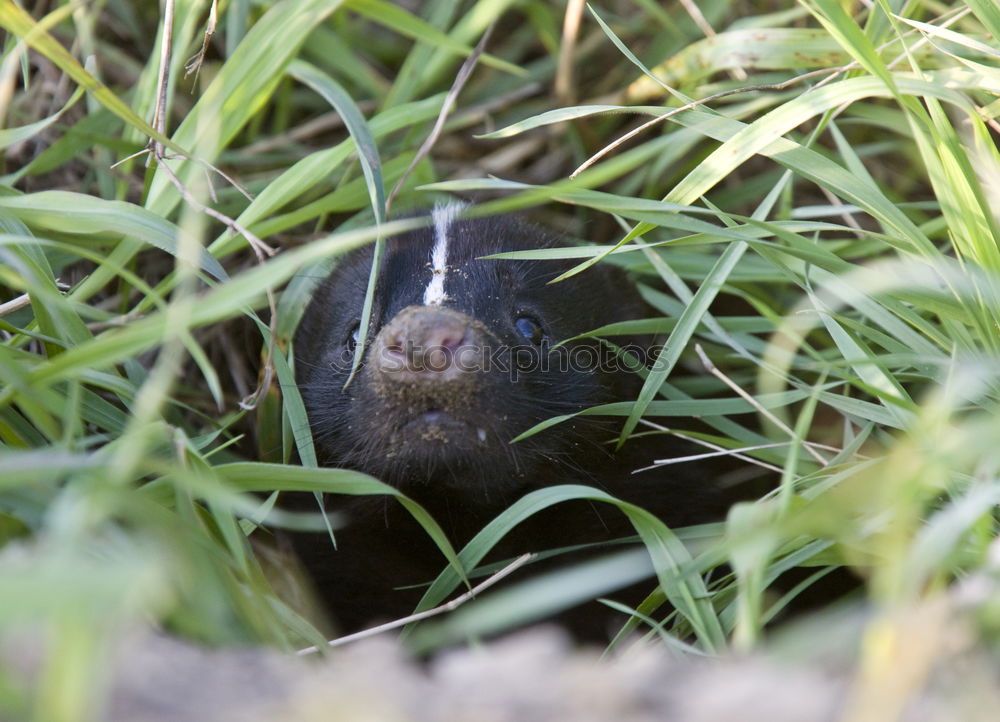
x=353, y=337
x=530, y=329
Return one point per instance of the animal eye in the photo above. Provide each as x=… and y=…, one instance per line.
x=353, y=336
x=530, y=329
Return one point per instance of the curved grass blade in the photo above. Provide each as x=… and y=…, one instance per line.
x=10, y=136
x=316, y=167
x=229, y=102
x=409, y=25
x=336, y=96
x=77, y=213
x=671, y=561
x=259, y=477
x=240, y=292
x=17, y=22
x=534, y=600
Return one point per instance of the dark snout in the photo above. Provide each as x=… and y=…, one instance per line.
x=429, y=345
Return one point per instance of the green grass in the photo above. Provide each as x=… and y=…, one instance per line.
x=814, y=203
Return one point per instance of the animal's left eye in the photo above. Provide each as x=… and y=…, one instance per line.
x=530, y=328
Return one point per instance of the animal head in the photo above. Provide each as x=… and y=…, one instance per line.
x=460, y=359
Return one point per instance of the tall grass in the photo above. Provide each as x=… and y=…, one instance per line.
x=814, y=185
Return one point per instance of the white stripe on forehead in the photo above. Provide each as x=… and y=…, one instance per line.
x=443, y=216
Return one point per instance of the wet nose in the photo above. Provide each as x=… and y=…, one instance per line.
x=427, y=344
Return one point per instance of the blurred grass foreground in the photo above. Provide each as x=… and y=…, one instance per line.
x=808, y=194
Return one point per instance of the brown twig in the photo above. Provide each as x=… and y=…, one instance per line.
x=738, y=453
x=735, y=453
x=708, y=31
x=160, y=116
x=260, y=248
x=712, y=369
x=699, y=18
x=463, y=75
x=157, y=152
x=127, y=158
x=225, y=176
x=847, y=217
x=830, y=72
x=327, y=121
x=476, y=113
x=15, y=304
x=195, y=63
x=567, y=51
x=694, y=104
x=702, y=442
x=446, y=607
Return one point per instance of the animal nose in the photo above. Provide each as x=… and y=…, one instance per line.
x=426, y=343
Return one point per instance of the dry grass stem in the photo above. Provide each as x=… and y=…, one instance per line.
x=195, y=63
x=714, y=370
x=463, y=75
x=447, y=607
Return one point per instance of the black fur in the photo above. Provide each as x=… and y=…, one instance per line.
x=444, y=438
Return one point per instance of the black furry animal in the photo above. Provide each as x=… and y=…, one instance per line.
x=459, y=361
